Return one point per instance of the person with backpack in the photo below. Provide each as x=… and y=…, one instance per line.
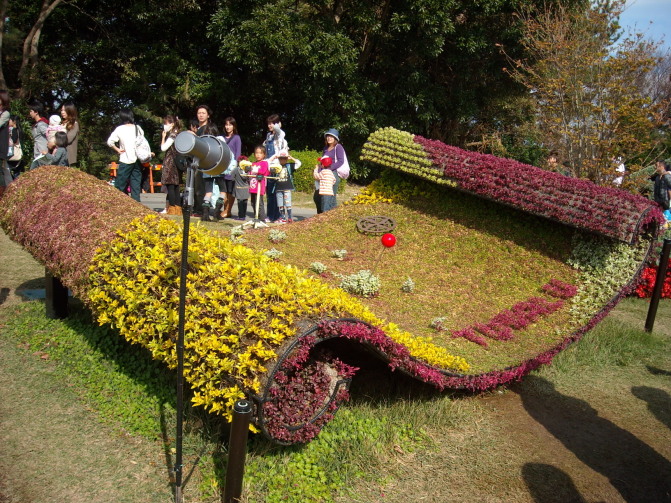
x=123, y=140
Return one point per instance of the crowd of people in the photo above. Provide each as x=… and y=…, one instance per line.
x=269, y=177
x=54, y=140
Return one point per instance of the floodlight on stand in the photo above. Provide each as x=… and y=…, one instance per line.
x=212, y=153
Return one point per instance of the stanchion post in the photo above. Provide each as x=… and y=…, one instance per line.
x=188, y=197
x=56, y=297
x=237, y=450
x=659, y=284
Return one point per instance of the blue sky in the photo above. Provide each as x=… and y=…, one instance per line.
x=652, y=17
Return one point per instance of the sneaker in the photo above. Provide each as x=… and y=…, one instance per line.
x=281, y=221
x=290, y=221
x=267, y=220
x=164, y=212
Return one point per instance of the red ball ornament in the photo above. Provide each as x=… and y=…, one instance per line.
x=388, y=240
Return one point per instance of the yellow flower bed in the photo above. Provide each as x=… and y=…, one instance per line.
x=241, y=307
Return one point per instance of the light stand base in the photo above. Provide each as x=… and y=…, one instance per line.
x=254, y=224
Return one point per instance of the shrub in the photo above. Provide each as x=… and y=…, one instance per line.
x=439, y=323
x=339, y=254
x=363, y=283
x=318, y=267
x=303, y=180
x=647, y=283
x=276, y=236
x=408, y=286
x=273, y=254
x=61, y=216
x=579, y=203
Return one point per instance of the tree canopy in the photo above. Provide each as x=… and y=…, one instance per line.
x=427, y=66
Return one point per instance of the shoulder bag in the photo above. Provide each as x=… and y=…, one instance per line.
x=142, y=149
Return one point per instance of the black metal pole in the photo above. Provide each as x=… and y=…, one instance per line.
x=56, y=297
x=237, y=450
x=186, y=214
x=659, y=284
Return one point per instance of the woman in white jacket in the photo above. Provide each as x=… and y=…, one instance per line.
x=122, y=140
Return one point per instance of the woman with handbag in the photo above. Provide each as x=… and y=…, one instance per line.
x=123, y=141
x=69, y=115
x=235, y=144
x=339, y=165
x=6, y=175
x=16, y=163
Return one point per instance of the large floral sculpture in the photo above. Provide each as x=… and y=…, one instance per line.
x=266, y=330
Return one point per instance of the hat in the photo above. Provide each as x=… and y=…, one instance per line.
x=325, y=161
x=283, y=153
x=334, y=133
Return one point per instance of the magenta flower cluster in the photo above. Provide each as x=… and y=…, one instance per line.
x=500, y=327
x=579, y=203
x=394, y=353
x=303, y=397
x=559, y=289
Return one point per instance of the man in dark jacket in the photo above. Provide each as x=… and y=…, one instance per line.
x=662, y=178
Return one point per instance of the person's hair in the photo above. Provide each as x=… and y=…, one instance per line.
x=71, y=114
x=233, y=122
x=210, y=127
x=261, y=147
x=17, y=121
x=327, y=135
x=4, y=99
x=61, y=139
x=174, y=120
x=273, y=119
x=37, y=107
x=194, y=123
x=663, y=163
x=126, y=116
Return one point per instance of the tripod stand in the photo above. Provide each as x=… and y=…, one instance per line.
x=255, y=223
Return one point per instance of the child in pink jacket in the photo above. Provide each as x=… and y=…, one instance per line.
x=257, y=184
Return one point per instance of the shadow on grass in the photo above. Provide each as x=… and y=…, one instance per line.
x=635, y=469
x=657, y=372
x=659, y=402
x=548, y=484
